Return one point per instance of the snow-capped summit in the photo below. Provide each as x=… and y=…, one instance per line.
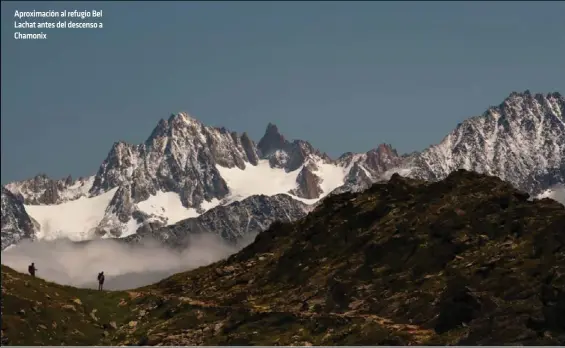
x=522, y=141
x=186, y=168
x=183, y=169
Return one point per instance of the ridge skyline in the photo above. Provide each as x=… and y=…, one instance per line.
x=273, y=127
x=186, y=170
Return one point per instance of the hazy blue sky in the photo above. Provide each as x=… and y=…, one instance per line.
x=345, y=76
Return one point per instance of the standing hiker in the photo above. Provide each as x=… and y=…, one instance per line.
x=31, y=269
x=100, y=280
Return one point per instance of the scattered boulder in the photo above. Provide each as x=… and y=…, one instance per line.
x=93, y=315
x=112, y=325
x=69, y=307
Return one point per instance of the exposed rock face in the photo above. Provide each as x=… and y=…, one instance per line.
x=42, y=190
x=284, y=154
x=179, y=156
x=271, y=141
x=367, y=168
x=250, y=149
x=521, y=141
x=234, y=222
x=118, y=213
x=308, y=183
x=16, y=223
x=357, y=180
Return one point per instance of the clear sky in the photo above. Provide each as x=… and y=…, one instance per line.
x=345, y=76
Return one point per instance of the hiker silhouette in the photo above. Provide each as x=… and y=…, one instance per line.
x=31, y=269
x=100, y=280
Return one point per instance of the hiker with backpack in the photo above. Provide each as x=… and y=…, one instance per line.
x=31, y=269
x=100, y=280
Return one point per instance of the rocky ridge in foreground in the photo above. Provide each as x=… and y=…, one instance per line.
x=468, y=260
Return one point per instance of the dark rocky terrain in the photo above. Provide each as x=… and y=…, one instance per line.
x=16, y=223
x=468, y=260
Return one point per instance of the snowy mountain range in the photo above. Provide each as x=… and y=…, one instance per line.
x=185, y=169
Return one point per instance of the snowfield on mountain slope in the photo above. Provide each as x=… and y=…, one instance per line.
x=264, y=180
x=74, y=220
x=77, y=219
x=257, y=180
x=332, y=177
x=169, y=206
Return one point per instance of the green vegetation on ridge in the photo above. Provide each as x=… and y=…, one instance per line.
x=467, y=260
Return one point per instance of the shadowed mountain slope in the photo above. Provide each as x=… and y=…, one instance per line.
x=468, y=260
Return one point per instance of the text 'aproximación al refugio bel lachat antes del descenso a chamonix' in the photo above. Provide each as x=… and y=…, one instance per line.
x=26, y=21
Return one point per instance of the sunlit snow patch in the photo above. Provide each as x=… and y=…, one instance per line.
x=262, y=179
x=169, y=206
x=332, y=177
x=73, y=220
x=258, y=180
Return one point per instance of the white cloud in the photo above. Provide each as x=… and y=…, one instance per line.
x=125, y=266
x=557, y=193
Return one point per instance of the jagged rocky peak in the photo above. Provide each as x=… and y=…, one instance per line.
x=272, y=141
x=184, y=133
x=160, y=129
x=16, y=223
x=363, y=169
x=284, y=154
x=182, y=117
x=376, y=161
x=180, y=156
x=250, y=149
x=176, y=125
x=69, y=180
x=525, y=104
x=387, y=149
x=383, y=158
x=42, y=190
x=521, y=141
x=117, y=168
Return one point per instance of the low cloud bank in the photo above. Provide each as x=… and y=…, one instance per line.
x=125, y=266
x=557, y=193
